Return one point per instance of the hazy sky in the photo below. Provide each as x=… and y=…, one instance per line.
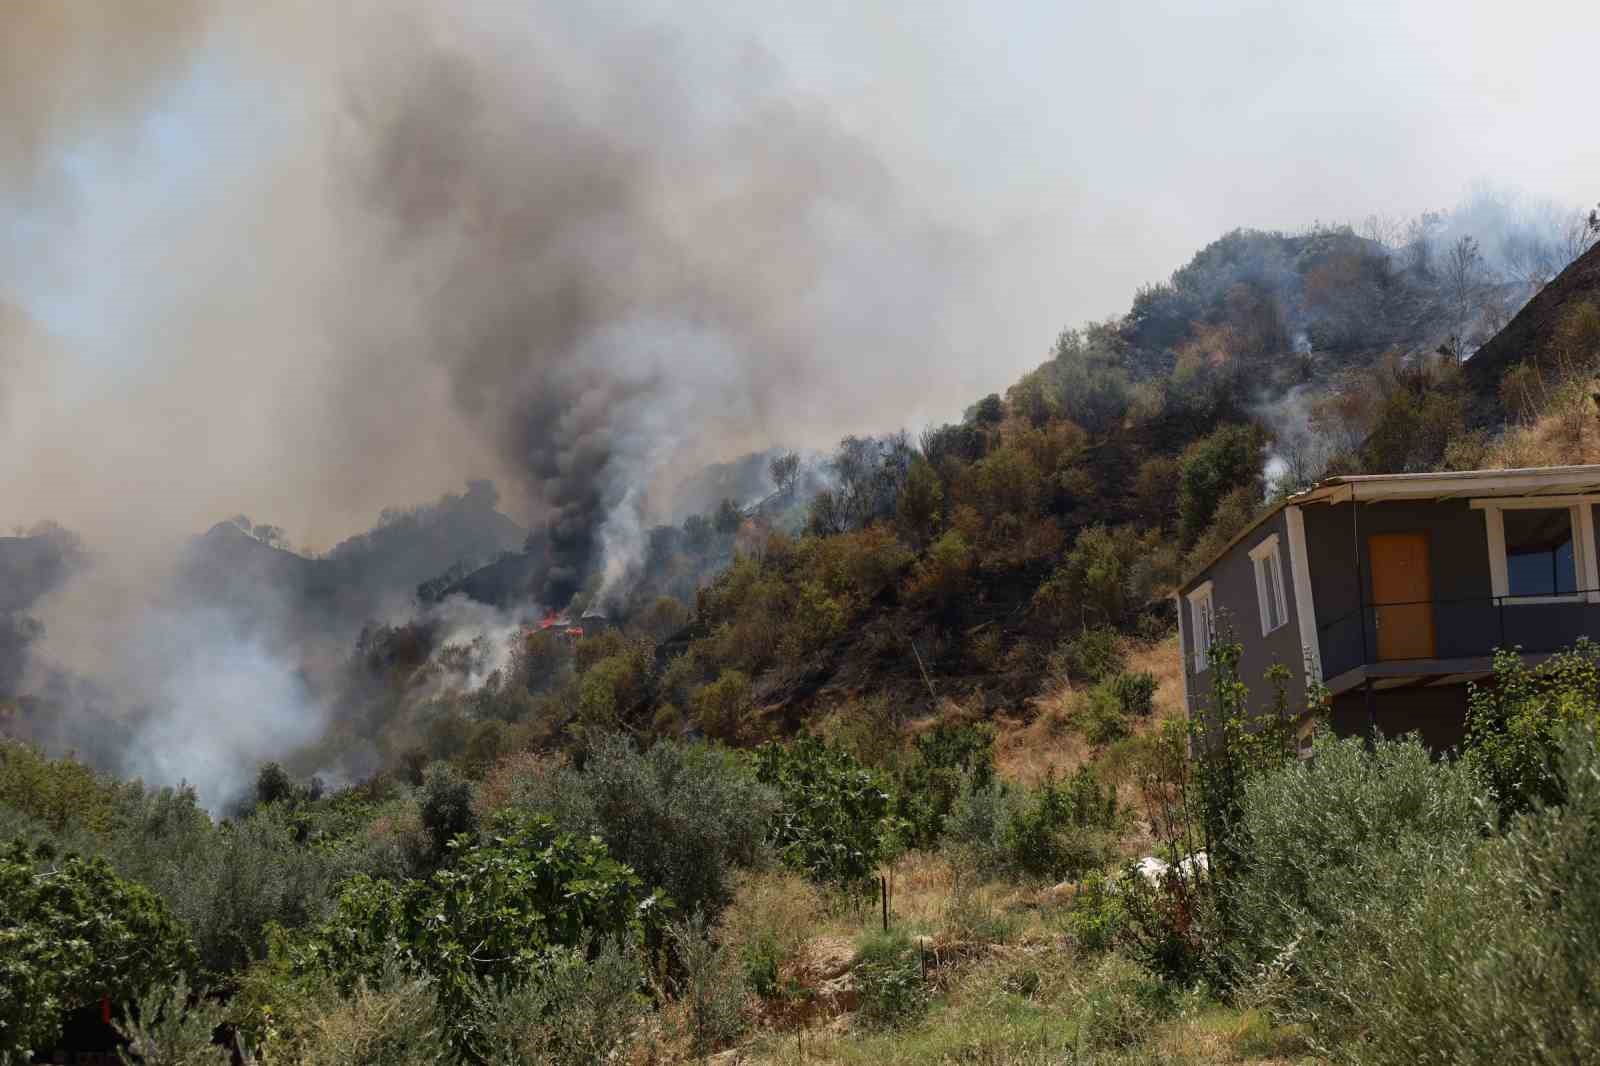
x=201, y=324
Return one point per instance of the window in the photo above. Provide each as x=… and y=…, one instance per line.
x=1202, y=620
x=1539, y=557
x=1270, y=596
x=1541, y=548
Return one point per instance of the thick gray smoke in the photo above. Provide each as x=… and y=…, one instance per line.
x=579, y=253
x=629, y=269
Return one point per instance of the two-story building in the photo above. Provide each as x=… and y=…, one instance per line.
x=1394, y=590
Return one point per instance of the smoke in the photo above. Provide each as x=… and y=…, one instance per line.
x=365, y=253
x=307, y=261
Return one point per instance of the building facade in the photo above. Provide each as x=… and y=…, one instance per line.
x=1394, y=591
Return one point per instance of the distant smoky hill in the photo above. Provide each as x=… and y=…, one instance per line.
x=35, y=564
x=512, y=579
x=248, y=569
x=1535, y=334
x=31, y=566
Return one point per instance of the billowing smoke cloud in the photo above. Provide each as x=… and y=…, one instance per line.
x=632, y=268
x=578, y=253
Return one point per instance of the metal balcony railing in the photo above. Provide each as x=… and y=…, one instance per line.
x=1462, y=628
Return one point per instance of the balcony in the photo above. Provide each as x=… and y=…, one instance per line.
x=1451, y=640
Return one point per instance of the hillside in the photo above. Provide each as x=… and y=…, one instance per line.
x=1533, y=335
x=886, y=767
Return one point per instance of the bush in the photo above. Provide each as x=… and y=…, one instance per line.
x=170, y=1027
x=1514, y=725
x=1491, y=949
x=62, y=793
x=720, y=706
x=1059, y=830
x=583, y=1005
x=446, y=807
x=1229, y=459
x=1321, y=838
x=229, y=885
x=683, y=816
x=392, y=1020
x=943, y=576
x=71, y=931
x=491, y=915
x=833, y=821
x=1122, y=1008
x=1095, y=921
x=888, y=979
x=1135, y=692
x=1093, y=654
x=943, y=761
x=709, y=986
x=1101, y=716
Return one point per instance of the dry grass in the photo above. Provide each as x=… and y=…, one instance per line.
x=1027, y=750
x=1561, y=439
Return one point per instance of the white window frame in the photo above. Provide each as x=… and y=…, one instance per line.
x=1268, y=554
x=1202, y=622
x=1581, y=511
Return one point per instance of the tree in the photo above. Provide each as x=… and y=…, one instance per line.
x=1228, y=459
x=785, y=471
x=729, y=517
x=72, y=932
x=1463, y=279
x=921, y=506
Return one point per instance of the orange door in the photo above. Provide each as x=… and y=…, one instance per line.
x=1402, y=586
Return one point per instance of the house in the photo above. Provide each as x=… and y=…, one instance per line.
x=1394, y=590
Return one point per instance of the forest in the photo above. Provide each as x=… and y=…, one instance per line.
x=888, y=761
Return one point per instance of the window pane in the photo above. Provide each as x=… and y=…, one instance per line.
x=1274, y=594
x=1539, y=558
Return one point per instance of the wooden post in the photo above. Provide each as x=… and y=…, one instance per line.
x=883, y=889
x=926, y=680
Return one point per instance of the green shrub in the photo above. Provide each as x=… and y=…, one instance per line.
x=391, y=1020
x=583, y=1005
x=1514, y=725
x=1319, y=838
x=1491, y=951
x=1094, y=923
x=228, y=885
x=446, y=807
x=1059, y=830
x=720, y=706
x=1121, y=1009
x=1227, y=460
x=71, y=932
x=170, y=1027
x=1101, y=716
x=62, y=793
x=888, y=979
x=943, y=761
x=833, y=821
x=709, y=985
x=493, y=914
x=1135, y=692
x=683, y=816
x=1093, y=654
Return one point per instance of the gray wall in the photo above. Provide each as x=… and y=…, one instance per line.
x=1234, y=596
x=1467, y=621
